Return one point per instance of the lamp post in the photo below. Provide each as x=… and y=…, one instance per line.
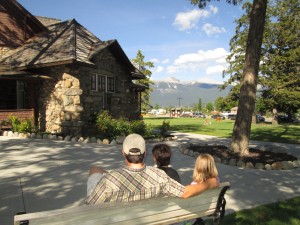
x=179, y=98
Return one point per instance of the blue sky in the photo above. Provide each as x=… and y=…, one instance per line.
x=184, y=42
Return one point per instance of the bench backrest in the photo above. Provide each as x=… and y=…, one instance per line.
x=162, y=210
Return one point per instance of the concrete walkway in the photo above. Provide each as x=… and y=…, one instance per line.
x=53, y=174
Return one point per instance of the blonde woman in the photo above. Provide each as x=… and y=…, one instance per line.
x=205, y=168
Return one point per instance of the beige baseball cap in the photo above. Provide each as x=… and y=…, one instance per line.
x=134, y=144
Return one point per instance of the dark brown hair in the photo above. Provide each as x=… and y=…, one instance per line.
x=162, y=153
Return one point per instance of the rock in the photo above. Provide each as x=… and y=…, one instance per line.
x=259, y=166
x=67, y=138
x=74, y=139
x=276, y=166
x=296, y=163
x=182, y=148
x=16, y=134
x=87, y=140
x=287, y=165
x=60, y=138
x=186, y=151
x=5, y=133
x=120, y=140
x=191, y=153
x=39, y=136
x=93, y=140
x=33, y=135
x=196, y=154
x=268, y=167
x=217, y=159
x=240, y=163
x=105, y=141
x=232, y=162
x=10, y=133
x=81, y=140
x=249, y=165
x=99, y=141
x=113, y=142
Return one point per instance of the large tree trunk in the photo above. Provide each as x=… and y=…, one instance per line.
x=246, y=106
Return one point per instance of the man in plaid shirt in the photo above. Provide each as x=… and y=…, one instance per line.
x=136, y=181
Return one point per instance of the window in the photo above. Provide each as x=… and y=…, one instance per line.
x=102, y=83
x=93, y=82
x=110, y=84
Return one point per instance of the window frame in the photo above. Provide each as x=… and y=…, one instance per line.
x=102, y=83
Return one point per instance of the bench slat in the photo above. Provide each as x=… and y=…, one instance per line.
x=162, y=210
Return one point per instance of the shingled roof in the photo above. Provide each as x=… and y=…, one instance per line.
x=65, y=42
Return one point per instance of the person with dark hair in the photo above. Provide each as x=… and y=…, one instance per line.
x=136, y=181
x=162, y=157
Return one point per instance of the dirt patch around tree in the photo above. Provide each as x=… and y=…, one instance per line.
x=255, y=155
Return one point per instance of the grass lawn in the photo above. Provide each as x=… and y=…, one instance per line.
x=285, y=133
x=280, y=213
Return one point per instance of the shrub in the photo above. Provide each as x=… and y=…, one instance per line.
x=112, y=128
x=164, y=128
x=139, y=127
x=24, y=126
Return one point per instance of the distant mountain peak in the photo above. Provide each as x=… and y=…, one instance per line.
x=166, y=92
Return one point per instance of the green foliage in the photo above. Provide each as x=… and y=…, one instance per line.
x=164, y=128
x=140, y=127
x=111, y=128
x=199, y=105
x=24, y=126
x=279, y=67
x=144, y=68
x=209, y=107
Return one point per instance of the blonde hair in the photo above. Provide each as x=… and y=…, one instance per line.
x=205, y=168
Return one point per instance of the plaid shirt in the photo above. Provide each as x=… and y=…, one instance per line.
x=127, y=184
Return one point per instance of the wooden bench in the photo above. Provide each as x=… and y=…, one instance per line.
x=161, y=210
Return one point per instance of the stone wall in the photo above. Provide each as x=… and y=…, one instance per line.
x=67, y=103
x=3, y=51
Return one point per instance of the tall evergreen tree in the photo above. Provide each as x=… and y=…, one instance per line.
x=280, y=64
x=144, y=68
x=199, y=105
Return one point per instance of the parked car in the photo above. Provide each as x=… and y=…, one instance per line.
x=186, y=114
x=260, y=118
x=216, y=116
x=198, y=115
x=226, y=114
x=231, y=116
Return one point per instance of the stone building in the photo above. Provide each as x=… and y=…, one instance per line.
x=60, y=74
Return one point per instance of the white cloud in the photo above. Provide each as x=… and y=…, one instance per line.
x=218, y=69
x=189, y=20
x=159, y=69
x=200, y=59
x=210, y=30
x=213, y=9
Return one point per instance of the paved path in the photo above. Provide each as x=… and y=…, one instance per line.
x=53, y=174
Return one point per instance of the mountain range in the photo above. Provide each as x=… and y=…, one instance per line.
x=175, y=93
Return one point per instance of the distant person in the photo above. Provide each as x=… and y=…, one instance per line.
x=136, y=181
x=162, y=156
x=205, y=168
